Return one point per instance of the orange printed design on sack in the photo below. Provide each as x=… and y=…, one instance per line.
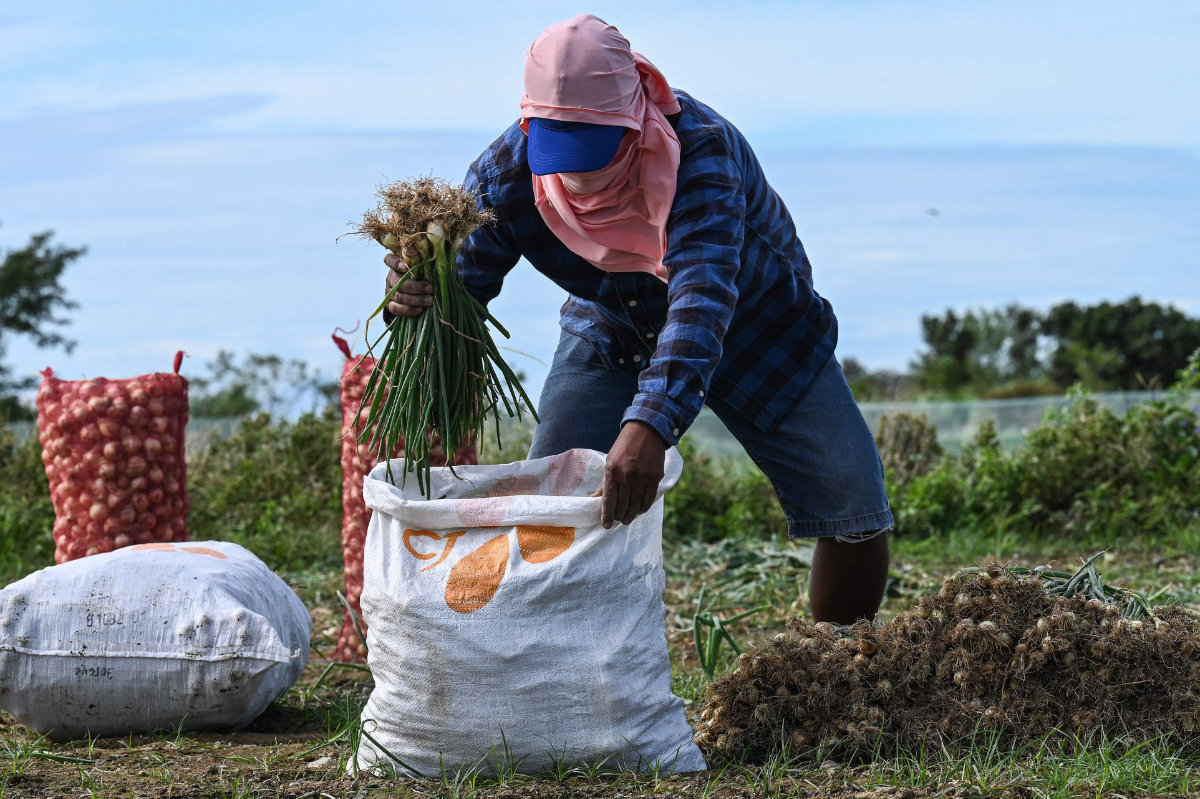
x=541, y=544
x=450, y=539
x=475, y=579
x=212, y=553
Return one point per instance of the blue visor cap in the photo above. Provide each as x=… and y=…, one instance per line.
x=556, y=146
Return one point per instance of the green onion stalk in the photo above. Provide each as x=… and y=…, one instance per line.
x=438, y=376
x=1086, y=581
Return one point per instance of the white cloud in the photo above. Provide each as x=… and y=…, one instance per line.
x=1095, y=72
x=24, y=40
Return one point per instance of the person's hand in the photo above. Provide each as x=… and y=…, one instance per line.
x=632, y=473
x=413, y=297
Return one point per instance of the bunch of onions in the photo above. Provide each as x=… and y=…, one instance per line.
x=439, y=375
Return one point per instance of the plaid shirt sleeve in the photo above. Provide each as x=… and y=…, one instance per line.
x=705, y=234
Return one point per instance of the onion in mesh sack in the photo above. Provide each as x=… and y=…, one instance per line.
x=114, y=457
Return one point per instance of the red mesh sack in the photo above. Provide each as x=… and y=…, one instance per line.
x=114, y=457
x=357, y=460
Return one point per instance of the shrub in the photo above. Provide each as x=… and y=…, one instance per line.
x=716, y=499
x=26, y=515
x=908, y=446
x=274, y=487
x=1084, y=471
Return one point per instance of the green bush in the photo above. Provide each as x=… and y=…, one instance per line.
x=908, y=445
x=26, y=515
x=714, y=500
x=1085, y=471
x=275, y=487
x=515, y=437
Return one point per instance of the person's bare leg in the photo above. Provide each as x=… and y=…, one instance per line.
x=848, y=580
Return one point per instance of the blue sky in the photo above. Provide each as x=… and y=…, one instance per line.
x=209, y=155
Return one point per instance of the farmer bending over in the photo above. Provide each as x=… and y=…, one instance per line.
x=688, y=286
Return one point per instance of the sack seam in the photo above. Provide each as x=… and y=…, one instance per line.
x=149, y=655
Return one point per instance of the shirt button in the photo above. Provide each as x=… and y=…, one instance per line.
x=620, y=360
x=675, y=431
x=701, y=393
x=650, y=335
x=633, y=303
x=637, y=359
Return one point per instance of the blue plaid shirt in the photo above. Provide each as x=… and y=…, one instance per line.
x=739, y=324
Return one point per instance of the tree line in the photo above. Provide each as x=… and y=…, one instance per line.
x=1132, y=345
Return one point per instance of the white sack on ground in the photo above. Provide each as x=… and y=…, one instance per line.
x=201, y=635
x=507, y=627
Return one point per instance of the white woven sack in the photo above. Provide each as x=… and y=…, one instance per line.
x=197, y=635
x=508, y=630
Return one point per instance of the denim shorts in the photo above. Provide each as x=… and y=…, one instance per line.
x=821, y=458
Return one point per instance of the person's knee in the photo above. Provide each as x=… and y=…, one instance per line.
x=866, y=552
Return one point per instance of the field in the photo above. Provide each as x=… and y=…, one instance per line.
x=273, y=488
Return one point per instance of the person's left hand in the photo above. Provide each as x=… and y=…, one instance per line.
x=632, y=473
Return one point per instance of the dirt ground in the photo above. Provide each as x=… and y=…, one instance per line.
x=293, y=752
x=245, y=765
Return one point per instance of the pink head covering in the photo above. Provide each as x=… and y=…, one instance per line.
x=583, y=70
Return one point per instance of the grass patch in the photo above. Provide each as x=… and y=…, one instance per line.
x=302, y=745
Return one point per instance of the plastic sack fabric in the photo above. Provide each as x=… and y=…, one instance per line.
x=508, y=629
x=154, y=636
x=357, y=461
x=114, y=457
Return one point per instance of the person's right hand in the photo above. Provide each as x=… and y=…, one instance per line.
x=413, y=297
